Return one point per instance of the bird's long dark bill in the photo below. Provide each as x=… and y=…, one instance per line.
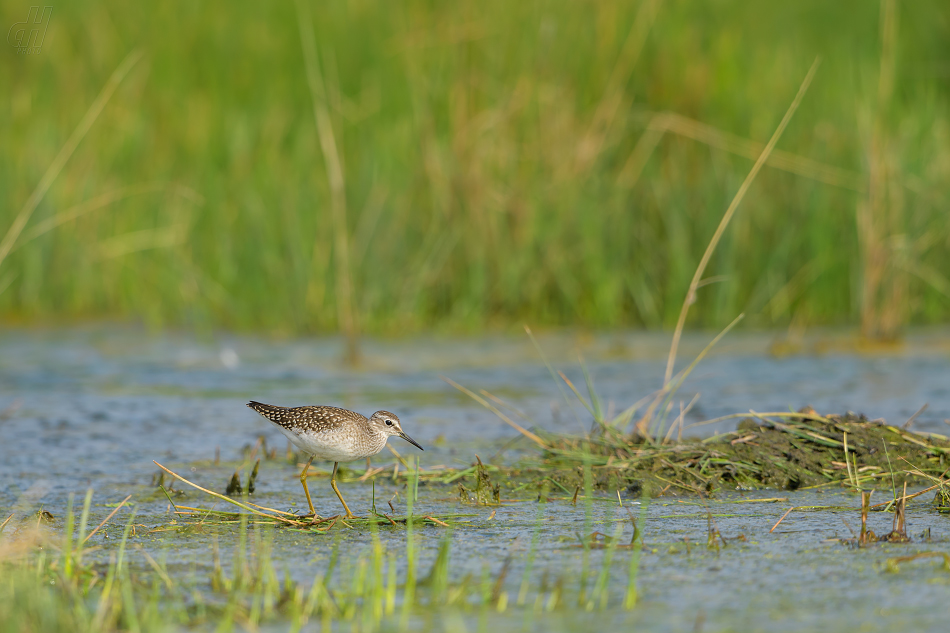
x=410, y=440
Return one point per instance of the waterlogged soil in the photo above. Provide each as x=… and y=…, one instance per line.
x=92, y=409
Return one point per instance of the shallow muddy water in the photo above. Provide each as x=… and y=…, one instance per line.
x=93, y=407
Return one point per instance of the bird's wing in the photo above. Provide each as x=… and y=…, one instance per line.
x=313, y=418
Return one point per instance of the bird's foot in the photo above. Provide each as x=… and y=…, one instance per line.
x=315, y=519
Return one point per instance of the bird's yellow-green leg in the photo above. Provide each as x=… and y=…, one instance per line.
x=303, y=482
x=349, y=515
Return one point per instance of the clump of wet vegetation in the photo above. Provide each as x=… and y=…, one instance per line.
x=779, y=450
x=485, y=492
x=235, y=487
x=784, y=451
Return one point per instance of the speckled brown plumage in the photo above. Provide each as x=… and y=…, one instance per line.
x=316, y=419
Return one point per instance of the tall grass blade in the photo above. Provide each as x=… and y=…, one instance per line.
x=334, y=171
x=727, y=217
x=19, y=223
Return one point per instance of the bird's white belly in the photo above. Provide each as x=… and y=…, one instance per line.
x=332, y=447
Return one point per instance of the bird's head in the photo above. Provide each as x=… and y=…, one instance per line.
x=388, y=424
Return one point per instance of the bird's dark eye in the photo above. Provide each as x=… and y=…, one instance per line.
x=389, y=422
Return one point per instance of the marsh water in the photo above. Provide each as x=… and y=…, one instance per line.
x=93, y=407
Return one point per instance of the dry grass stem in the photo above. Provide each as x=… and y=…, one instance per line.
x=727, y=216
x=106, y=520
x=671, y=122
x=477, y=398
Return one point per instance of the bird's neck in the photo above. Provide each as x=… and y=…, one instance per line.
x=374, y=440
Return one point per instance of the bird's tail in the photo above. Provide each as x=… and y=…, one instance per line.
x=269, y=411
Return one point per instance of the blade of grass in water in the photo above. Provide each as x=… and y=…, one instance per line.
x=531, y=436
x=547, y=364
x=672, y=386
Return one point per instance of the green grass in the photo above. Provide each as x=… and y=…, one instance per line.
x=489, y=154
x=52, y=580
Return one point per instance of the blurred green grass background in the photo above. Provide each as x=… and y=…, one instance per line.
x=502, y=162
